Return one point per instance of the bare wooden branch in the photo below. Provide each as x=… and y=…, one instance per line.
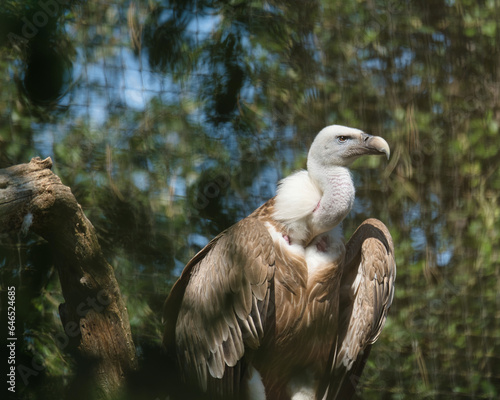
x=94, y=315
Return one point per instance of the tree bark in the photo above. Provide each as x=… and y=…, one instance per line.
x=94, y=315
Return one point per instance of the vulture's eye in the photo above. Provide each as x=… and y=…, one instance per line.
x=342, y=139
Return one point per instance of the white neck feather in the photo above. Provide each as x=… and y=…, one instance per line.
x=336, y=202
x=297, y=196
x=311, y=203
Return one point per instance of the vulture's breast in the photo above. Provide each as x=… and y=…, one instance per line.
x=305, y=283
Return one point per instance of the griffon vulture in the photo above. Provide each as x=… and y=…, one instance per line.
x=277, y=306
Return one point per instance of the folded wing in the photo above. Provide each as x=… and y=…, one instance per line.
x=366, y=293
x=218, y=310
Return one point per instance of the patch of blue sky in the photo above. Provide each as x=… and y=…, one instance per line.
x=141, y=180
x=119, y=79
x=436, y=203
x=312, y=45
x=443, y=258
x=197, y=240
x=260, y=53
x=43, y=139
x=264, y=185
x=203, y=25
x=133, y=78
x=439, y=37
x=165, y=16
x=286, y=155
x=418, y=238
x=374, y=63
x=134, y=99
x=268, y=180
x=412, y=215
x=170, y=92
x=360, y=206
x=178, y=266
x=179, y=185
x=405, y=59
x=415, y=80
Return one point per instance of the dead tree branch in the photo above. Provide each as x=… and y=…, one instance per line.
x=94, y=315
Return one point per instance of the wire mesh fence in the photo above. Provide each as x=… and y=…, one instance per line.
x=171, y=120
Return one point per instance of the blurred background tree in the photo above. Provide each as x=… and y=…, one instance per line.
x=171, y=120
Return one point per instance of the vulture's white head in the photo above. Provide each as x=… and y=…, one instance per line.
x=338, y=145
x=317, y=200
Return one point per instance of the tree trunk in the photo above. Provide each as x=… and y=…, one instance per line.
x=94, y=315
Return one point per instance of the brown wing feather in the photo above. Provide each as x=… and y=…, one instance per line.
x=218, y=310
x=366, y=293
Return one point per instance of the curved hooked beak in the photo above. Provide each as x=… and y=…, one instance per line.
x=376, y=145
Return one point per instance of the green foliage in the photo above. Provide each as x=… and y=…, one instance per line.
x=239, y=90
